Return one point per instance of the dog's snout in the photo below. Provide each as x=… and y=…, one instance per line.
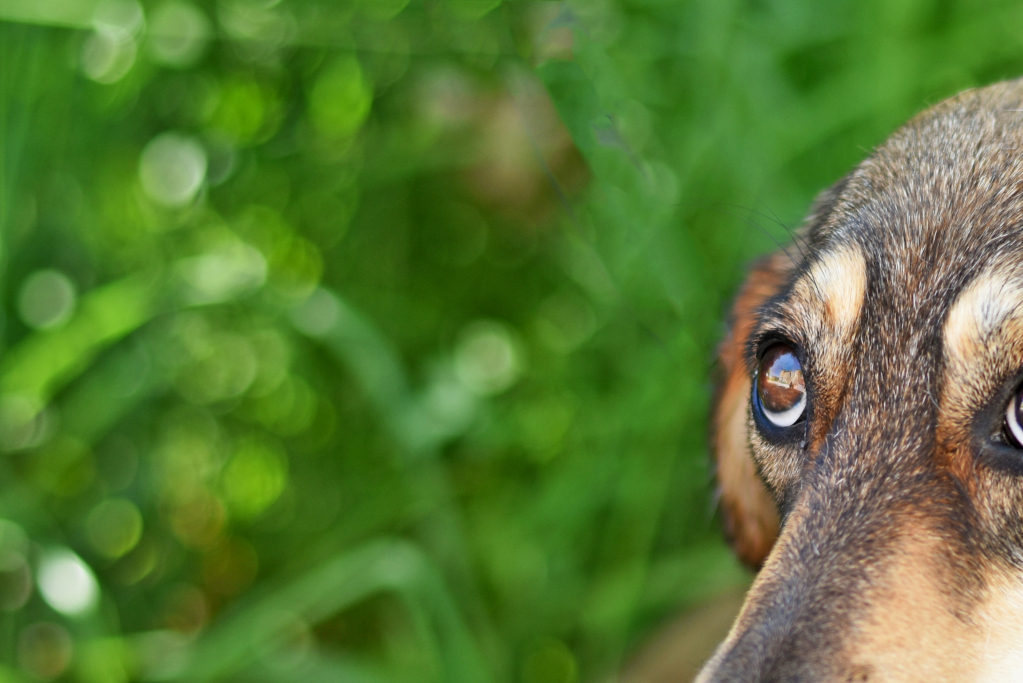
x=793, y=652
x=838, y=602
x=768, y=658
x=788, y=630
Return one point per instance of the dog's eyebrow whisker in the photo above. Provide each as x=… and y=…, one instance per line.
x=797, y=239
x=753, y=224
x=811, y=272
x=795, y=234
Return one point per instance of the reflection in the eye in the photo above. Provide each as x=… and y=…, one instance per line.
x=1014, y=419
x=787, y=379
x=781, y=388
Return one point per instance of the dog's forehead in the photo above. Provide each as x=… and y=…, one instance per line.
x=943, y=196
x=934, y=208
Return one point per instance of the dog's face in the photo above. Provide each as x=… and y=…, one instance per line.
x=868, y=431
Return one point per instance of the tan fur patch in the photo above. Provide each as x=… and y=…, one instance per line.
x=983, y=336
x=1001, y=649
x=982, y=310
x=911, y=634
x=838, y=280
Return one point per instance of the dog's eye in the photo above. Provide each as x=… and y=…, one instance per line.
x=781, y=390
x=1014, y=419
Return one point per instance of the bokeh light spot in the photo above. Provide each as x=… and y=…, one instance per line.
x=274, y=358
x=186, y=610
x=254, y=478
x=449, y=404
x=162, y=655
x=15, y=581
x=107, y=58
x=12, y=537
x=64, y=467
x=289, y=409
x=46, y=299
x=543, y=426
x=45, y=650
x=318, y=314
x=245, y=112
x=259, y=26
x=67, y=583
x=296, y=268
x=551, y=662
x=15, y=574
x=340, y=100
x=172, y=169
x=225, y=272
x=117, y=462
x=179, y=33
x=119, y=17
x=114, y=527
x=104, y=660
x=137, y=564
x=22, y=423
x=487, y=357
x=566, y=320
x=230, y=567
x=109, y=52
x=198, y=520
x=223, y=369
x=293, y=644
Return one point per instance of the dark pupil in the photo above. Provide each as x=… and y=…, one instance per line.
x=780, y=381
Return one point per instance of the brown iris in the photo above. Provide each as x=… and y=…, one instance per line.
x=780, y=386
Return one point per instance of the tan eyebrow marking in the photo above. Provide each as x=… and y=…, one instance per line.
x=992, y=300
x=983, y=336
x=839, y=281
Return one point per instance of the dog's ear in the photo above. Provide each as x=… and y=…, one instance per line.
x=749, y=511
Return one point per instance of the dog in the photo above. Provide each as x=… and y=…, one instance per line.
x=868, y=431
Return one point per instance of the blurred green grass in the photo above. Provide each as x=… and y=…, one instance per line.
x=372, y=341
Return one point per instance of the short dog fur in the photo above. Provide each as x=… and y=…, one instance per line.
x=888, y=521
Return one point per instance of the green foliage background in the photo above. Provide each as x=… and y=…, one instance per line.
x=372, y=341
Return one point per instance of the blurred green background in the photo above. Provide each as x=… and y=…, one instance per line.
x=373, y=341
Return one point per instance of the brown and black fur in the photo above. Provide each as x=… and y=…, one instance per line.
x=890, y=528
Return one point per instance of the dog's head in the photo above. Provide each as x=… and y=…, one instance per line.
x=869, y=434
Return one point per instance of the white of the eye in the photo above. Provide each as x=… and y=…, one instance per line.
x=787, y=418
x=1013, y=421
